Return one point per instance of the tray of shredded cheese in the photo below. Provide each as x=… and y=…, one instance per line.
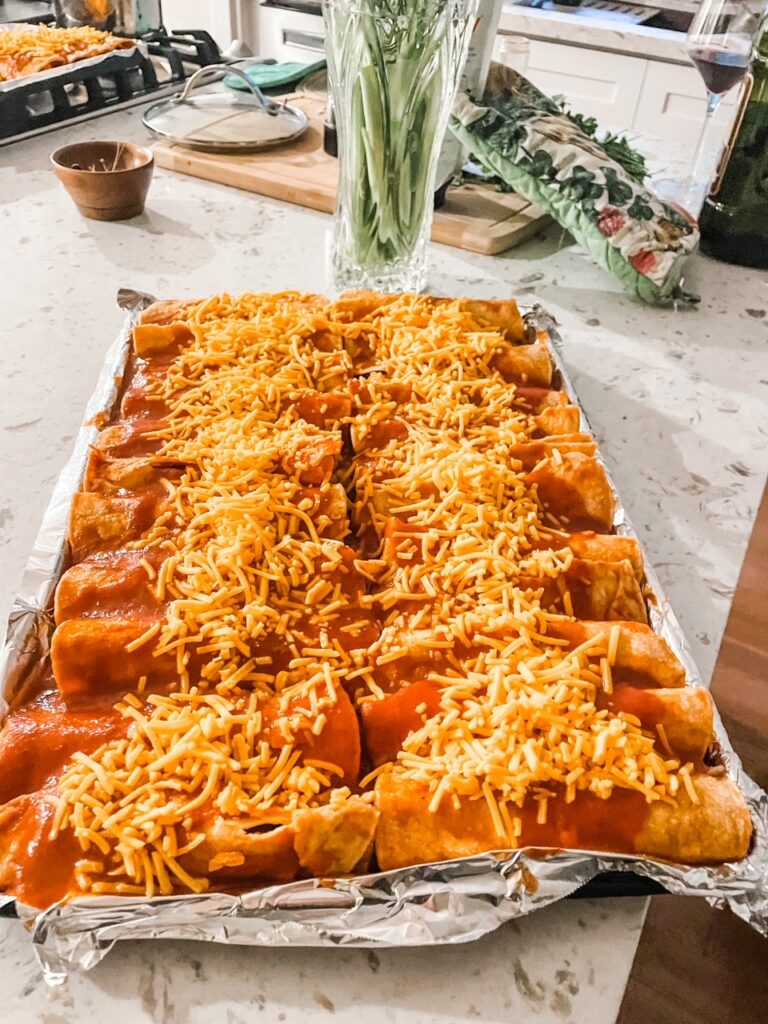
x=337, y=632
x=37, y=53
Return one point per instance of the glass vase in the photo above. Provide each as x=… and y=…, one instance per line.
x=394, y=66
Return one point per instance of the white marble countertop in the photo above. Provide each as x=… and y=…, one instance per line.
x=677, y=400
x=598, y=31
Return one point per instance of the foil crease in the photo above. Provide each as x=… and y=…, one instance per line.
x=450, y=902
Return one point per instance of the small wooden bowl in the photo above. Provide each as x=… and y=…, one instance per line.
x=107, y=180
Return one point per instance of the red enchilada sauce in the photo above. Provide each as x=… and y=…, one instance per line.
x=39, y=738
x=40, y=870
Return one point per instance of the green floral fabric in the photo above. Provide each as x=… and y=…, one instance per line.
x=524, y=138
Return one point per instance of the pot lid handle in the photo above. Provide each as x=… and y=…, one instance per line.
x=194, y=80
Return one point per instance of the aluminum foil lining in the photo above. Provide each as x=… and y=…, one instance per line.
x=51, y=74
x=450, y=902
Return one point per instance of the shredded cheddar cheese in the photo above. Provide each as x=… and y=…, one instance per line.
x=145, y=803
x=28, y=49
x=265, y=598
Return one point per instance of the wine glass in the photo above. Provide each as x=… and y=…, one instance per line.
x=719, y=43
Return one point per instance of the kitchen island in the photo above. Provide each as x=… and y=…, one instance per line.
x=676, y=399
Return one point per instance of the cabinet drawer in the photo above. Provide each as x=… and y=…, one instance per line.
x=291, y=35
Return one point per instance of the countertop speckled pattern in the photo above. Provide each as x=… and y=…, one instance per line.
x=678, y=402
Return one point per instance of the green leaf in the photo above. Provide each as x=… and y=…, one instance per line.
x=619, y=192
x=615, y=146
x=540, y=165
x=640, y=209
x=582, y=186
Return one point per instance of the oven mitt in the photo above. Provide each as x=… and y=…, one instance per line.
x=523, y=137
x=273, y=75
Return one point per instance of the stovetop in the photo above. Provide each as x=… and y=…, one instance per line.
x=161, y=60
x=24, y=10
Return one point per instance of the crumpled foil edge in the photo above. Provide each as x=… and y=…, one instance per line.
x=450, y=902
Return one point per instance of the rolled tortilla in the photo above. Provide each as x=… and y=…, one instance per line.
x=321, y=841
x=358, y=304
x=151, y=339
x=169, y=311
x=370, y=437
x=529, y=365
x=589, y=589
x=129, y=439
x=37, y=739
x=137, y=474
x=501, y=315
x=641, y=654
x=104, y=522
x=111, y=583
x=685, y=715
x=602, y=547
x=531, y=453
x=597, y=590
x=576, y=491
x=330, y=839
x=326, y=505
x=163, y=327
x=643, y=658
x=537, y=400
x=90, y=660
x=716, y=829
x=403, y=545
x=326, y=841
x=558, y=419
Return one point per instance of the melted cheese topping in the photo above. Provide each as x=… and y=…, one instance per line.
x=250, y=551
x=517, y=716
x=260, y=600
x=516, y=725
x=139, y=806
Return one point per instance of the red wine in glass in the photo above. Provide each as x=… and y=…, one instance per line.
x=719, y=44
x=719, y=66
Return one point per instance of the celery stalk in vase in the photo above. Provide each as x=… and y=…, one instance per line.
x=394, y=66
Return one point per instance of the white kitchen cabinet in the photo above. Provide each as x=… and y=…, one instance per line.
x=659, y=98
x=673, y=104
x=602, y=85
x=291, y=35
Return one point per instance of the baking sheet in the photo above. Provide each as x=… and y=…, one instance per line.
x=53, y=73
x=454, y=901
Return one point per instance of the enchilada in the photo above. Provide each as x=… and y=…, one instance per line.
x=345, y=592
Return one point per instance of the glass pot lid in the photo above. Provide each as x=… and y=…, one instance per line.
x=224, y=120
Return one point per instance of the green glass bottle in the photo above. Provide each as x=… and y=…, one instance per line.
x=734, y=220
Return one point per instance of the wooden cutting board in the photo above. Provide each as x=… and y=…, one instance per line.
x=475, y=216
